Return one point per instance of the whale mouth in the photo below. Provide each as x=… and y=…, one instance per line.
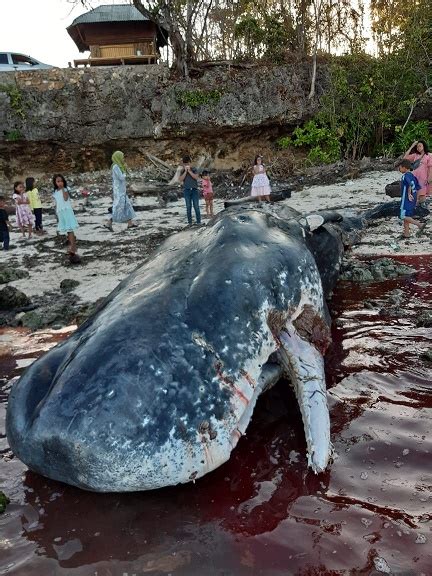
x=303, y=337
x=304, y=365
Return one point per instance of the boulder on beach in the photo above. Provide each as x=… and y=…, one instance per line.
x=12, y=298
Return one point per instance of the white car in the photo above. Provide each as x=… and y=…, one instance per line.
x=10, y=61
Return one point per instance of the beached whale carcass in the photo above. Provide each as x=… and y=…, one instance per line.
x=158, y=386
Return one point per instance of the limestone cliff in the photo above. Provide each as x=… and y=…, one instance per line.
x=72, y=119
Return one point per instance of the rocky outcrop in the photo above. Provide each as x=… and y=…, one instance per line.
x=72, y=119
x=12, y=298
x=375, y=270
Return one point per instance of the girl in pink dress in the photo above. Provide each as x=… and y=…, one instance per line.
x=421, y=161
x=207, y=190
x=260, y=183
x=24, y=215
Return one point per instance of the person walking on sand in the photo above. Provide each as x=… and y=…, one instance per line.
x=207, y=190
x=409, y=189
x=122, y=210
x=260, y=183
x=35, y=203
x=66, y=221
x=189, y=178
x=421, y=164
x=24, y=215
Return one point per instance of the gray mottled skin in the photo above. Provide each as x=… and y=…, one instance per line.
x=157, y=387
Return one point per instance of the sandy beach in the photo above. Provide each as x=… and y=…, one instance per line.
x=109, y=257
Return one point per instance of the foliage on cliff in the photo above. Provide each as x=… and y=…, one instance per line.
x=370, y=103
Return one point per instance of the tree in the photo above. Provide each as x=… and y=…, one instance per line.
x=178, y=18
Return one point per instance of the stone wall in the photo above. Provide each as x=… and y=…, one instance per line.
x=72, y=119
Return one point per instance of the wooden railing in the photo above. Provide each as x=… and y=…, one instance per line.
x=142, y=52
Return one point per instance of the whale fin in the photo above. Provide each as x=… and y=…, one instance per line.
x=305, y=366
x=315, y=220
x=312, y=222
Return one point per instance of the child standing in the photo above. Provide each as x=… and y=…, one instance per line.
x=4, y=224
x=409, y=188
x=23, y=212
x=260, y=183
x=67, y=223
x=35, y=203
x=207, y=190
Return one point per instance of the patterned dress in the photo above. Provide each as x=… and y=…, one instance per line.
x=24, y=214
x=122, y=210
x=260, y=183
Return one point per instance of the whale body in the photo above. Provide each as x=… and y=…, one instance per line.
x=157, y=387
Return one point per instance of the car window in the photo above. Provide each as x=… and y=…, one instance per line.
x=20, y=59
x=3, y=58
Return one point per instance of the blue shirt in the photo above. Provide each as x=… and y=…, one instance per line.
x=408, y=183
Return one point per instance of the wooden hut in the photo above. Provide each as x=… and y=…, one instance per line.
x=117, y=34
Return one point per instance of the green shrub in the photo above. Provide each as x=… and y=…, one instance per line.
x=323, y=143
x=196, y=98
x=4, y=501
x=13, y=136
x=413, y=131
x=15, y=98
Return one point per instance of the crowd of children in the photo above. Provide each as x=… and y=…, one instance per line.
x=29, y=212
x=28, y=206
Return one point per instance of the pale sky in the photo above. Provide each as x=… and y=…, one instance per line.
x=38, y=28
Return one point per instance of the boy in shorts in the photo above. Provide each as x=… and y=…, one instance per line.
x=409, y=188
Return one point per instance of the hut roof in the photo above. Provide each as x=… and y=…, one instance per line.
x=111, y=13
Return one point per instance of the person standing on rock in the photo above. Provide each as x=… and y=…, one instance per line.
x=24, y=215
x=189, y=178
x=122, y=210
x=260, y=183
x=67, y=223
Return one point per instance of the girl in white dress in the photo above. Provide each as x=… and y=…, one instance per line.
x=260, y=183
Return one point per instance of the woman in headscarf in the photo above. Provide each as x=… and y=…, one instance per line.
x=122, y=210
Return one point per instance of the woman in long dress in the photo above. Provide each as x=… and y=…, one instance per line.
x=260, y=183
x=122, y=210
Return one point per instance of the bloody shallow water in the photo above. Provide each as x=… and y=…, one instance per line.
x=263, y=512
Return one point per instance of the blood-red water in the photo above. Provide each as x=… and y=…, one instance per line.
x=263, y=513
